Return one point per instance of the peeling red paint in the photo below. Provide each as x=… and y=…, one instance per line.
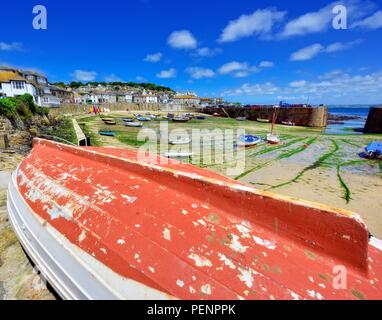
x=194, y=234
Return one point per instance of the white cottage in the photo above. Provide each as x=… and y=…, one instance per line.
x=13, y=84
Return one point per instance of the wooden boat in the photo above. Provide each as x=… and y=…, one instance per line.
x=144, y=119
x=180, y=141
x=271, y=137
x=180, y=119
x=288, y=123
x=248, y=140
x=134, y=124
x=106, y=133
x=107, y=119
x=374, y=150
x=175, y=231
x=241, y=118
x=110, y=122
x=262, y=120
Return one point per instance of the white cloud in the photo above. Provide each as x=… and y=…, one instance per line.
x=182, y=39
x=82, y=75
x=112, y=78
x=340, y=46
x=340, y=88
x=266, y=64
x=166, y=74
x=247, y=89
x=321, y=20
x=155, y=57
x=297, y=84
x=238, y=69
x=208, y=52
x=373, y=22
x=260, y=22
x=307, y=53
x=14, y=46
x=311, y=22
x=313, y=50
x=199, y=73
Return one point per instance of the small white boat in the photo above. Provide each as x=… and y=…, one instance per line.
x=180, y=141
x=173, y=154
x=241, y=118
x=288, y=123
x=133, y=124
x=273, y=138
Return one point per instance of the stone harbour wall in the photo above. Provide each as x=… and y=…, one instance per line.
x=374, y=120
x=300, y=116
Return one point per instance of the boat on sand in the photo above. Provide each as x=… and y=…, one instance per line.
x=106, y=133
x=134, y=124
x=248, y=140
x=180, y=141
x=262, y=120
x=103, y=223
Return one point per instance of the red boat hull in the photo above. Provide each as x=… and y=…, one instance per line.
x=193, y=234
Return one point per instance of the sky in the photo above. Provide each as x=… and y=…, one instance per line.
x=242, y=50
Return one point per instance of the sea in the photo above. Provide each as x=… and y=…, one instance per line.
x=361, y=111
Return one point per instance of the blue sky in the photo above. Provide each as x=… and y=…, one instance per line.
x=243, y=50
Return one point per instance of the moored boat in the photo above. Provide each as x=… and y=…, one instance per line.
x=273, y=138
x=180, y=119
x=110, y=122
x=144, y=119
x=248, y=140
x=288, y=123
x=180, y=141
x=106, y=133
x=374, y=150
x=241, y=118
x=94, y=238
x=134, y=124
x=200, y=118
x=262, y=120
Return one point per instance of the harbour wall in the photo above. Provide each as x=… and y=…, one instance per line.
x=77, y=109
x=300, y=116
x=374, y=120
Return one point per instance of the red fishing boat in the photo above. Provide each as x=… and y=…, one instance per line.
x=102, y=225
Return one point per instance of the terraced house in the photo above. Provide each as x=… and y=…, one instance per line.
x=15, y=82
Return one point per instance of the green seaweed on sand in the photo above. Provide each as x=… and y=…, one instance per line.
x=351, y=143
x=315, y=165
x=268, y=150
x=295, y=151
x=274, y=148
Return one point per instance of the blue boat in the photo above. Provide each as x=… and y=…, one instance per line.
x=248, y=140
x=374, y=150
x=143, y=119
x=107, y=133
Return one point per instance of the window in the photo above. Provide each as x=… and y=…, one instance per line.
x=18, y=84
x=0, y=86
x=46, y=99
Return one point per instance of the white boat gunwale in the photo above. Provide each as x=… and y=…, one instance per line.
x=73, y=273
